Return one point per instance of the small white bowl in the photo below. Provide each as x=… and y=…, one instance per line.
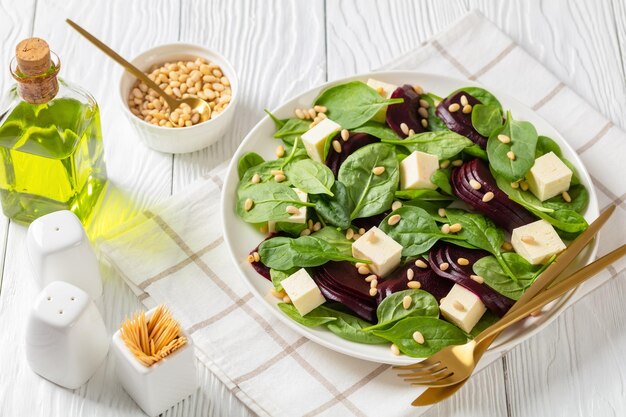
x=179, y=139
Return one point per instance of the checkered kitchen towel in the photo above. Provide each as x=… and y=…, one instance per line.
x=175, y=253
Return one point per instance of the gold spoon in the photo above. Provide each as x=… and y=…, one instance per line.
x=197, y=104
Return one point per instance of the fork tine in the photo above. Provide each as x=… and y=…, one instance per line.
x=421, y=372
x=427, y=377
x=428, y=363
x=439, y=381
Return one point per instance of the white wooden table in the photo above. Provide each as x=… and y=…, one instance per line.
x=280, y=48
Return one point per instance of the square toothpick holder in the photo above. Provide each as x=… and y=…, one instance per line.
x=158, y=387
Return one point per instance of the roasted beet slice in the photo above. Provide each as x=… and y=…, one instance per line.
x=447, y=253
x=406, y=112
x=458, y=121
x=340, y=282
x=356, y=141
x=397, y=281
x=502, y=210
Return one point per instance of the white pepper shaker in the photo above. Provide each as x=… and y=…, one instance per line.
x=59, y=250
x=66, y=339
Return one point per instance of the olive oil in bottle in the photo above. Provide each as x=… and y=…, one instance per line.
x=51, y=149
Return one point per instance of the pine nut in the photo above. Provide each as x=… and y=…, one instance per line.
x=247, y=205
x=280, y=151
x=424, y=123
x=317, y=226
x=421, y=264
x=278, y=294
x=444, y=266
x=444, y=164
x=279, y=178
x=410, y=274
x=292, y=210
x=414, y=285
x=364, y=270
x=320, y=109
x=370, y=278
x=349, y=234
x=423, y=112
x=504, y=138
x=488, y=196
x=515, y=185
x=337, y=146
x=299, y=114
x=312, y=113
x=510, y=155
x=345, y=135
x=464, y=101
x=527, y=239
x=566, y=197
x=424, y=104
x=467, y=109
x=462, y=261
x=457, y=163
x=378, y=170
x=250, y=258
x=524, y=185
x=453, y=107
x=475, y=184
x=411, y=132
x=359, y=264
x=396, y=205
x=457, y=304
x=374, y=283
x=286, y=299
x=418, y=89
x=256, y=179
x=305, y=232
x=256, y=256
x=406, y=302
x=477, y=278
x=393, y=220
x=361, y=231
x=507, y=246
x=395, y=350
x=373, y=291
x=404, y=128
x=276, y=172
x=445, y=229
x=418, y=337
x=456, y=227
x=441, y=212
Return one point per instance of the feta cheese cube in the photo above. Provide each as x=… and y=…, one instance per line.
x=416, y=170
x=462, y=308
x=385, y=90
x=536, y=242
x=314, y=139
x=548, y=177
x=303, y=291
x=382, y=250
x=300, y=217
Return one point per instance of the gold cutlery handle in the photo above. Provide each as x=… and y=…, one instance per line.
x=553, y=293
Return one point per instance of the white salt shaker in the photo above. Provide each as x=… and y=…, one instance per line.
x=66, y=339
x=162, y=385
x=59, y=250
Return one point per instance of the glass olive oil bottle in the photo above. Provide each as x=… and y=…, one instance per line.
x=50, y=140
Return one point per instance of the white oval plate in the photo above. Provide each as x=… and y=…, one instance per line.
x=242, y=237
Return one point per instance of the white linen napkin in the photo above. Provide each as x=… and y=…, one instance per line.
x=175, y=253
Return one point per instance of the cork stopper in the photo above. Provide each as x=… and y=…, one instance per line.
x=33, y=56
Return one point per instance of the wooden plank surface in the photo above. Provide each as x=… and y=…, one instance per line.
x=279, y=49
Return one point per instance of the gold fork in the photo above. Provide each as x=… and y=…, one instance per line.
x=432, y=371
x=459, y=360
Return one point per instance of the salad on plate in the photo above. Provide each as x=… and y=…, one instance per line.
x=395, y=216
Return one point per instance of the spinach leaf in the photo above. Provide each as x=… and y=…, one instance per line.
x=481, y=232
x=437, y=333
x=284, y=253
x=335, y=238
x=277, y=276
x=265, y=174
x=278, y=122
x=293, y=127
x=431, y=208
x=289, y=228
x=270, y=202
x=378, y=130
x=391, y=310
x=482, y=95
x=350, y=328
x=579, y=196
x=485, y=321
x=247, y=161
x=486, y=118
x=477, y=152
x=311, y=177
x=523, y=144
x=314, y=318
x=352, y=104
x=416, y=231
x=434, y=122
x=334, y=210
x=370, y=194
x=489, y=268
x=428, y=195
x=441, y=178
x=443, y=144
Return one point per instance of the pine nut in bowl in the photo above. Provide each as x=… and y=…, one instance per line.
x=182, y=70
